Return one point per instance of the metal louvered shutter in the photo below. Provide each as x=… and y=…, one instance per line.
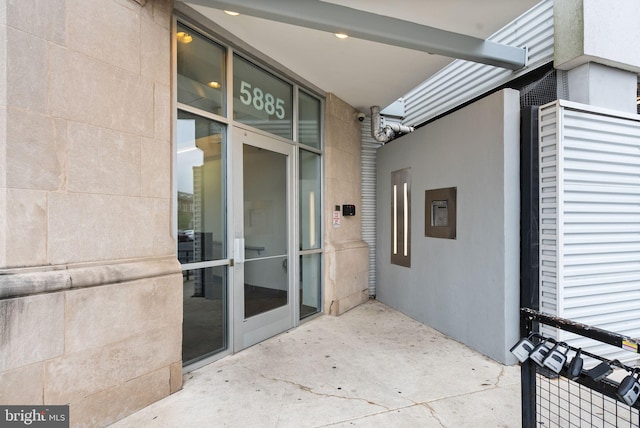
x=590, y=220
x=368, y=179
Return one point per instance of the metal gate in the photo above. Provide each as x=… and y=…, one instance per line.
x=598, y=392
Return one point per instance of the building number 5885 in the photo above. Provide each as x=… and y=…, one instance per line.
x=261, y=101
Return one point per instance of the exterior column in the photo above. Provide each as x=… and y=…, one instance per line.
x=3, y=132
x=595, y=42
x=346, y=255
x=90, y=287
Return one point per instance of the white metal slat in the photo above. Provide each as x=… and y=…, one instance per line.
x=461, y=81
x=548, y=249
x=599, y=223
x=560, y=119
x=584, y=289
x=368, y=209
x=600, y=269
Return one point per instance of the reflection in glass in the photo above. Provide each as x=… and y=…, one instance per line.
x=265, y=230
x=201, y=145
x=265, y=202
x=309, y=203
x=261, y=99
x=309, y=121
x=265, y=285
x=310, y=280
x=201, y=71
x=204, y=328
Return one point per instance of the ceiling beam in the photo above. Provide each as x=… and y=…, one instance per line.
x=334, y=18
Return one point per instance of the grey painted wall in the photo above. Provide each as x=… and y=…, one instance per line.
x=467, y=288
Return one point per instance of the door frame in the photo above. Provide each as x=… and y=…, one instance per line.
x=247, y=332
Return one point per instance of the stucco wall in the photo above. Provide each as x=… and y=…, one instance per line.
x=467, y=288
x=592, y=30
x=90, y=289
x=591, y=41
x=345, y=253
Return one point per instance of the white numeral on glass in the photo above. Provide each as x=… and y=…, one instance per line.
x=245, y=93
x=261, y=101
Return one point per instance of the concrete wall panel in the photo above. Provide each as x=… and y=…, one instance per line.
x=27, y=68
x=22, y=385
x=106, y=30
x=46, y=19
x=31, y=330
x=162, y=111
x=87, y=90
x=111, y=405
x=102, y=161
x=86, y=227
x=36, y=146
x=153, y=158
x=155, y=52
x=26, y=226
x=96, y=317
x=77, y=375
x=164, y=244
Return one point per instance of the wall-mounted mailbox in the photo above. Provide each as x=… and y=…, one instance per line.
x=440, y=213
x=348, y=210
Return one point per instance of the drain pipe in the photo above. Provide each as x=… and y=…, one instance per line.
x=390, y=131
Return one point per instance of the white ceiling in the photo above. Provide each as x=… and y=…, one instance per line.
x=361, y=72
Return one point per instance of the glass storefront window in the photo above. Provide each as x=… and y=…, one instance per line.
x=310, y=284
x=261, y=99
x=310, y=209
x=201, y=146
x=204, y=327
x=210, y=104
x=309, y=120
x=201, y=71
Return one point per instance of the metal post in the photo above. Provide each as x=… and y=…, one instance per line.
x=527, y=380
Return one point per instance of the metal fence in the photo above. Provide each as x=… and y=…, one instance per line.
x=565, y=393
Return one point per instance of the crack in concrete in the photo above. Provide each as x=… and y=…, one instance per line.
x=433, y=413
x=462, y=394
x=499, y=376
x=494, y=386
x=321, y=394
x=395, y=409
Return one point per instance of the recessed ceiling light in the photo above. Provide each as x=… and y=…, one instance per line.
x=184, y=37
x=213, y=84
x=232, y=13
x=341, y=35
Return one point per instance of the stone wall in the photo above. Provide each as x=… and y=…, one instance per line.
x=90, y=290
x=346, y=254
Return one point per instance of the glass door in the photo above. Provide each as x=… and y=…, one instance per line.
x=263, y=287
x=202, y=235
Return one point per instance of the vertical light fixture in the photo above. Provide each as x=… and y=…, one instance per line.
x=312, y=219
x=405, y=210
x=401, y=217
x=395, y=219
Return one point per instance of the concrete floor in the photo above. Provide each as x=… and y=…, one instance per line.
x=371, y=367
